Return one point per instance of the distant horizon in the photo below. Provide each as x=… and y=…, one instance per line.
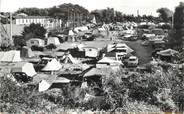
x=145, y=7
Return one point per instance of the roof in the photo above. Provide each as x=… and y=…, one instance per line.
x=108, y=60
x=32, y=17
x=35, y=39
x=168, y=52
x=98, y=72
x=61, y=80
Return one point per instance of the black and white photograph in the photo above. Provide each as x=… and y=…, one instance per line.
x=91, y=57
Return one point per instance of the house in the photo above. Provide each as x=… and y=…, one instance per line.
x=91, y=52
x=35, y=42
x=45, y=21
x=53, y=40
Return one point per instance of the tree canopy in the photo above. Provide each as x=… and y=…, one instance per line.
x=165, y=14
x=34, y=31
x=177, y=35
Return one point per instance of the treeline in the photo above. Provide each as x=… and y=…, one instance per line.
x=110, y=15
x=63, y=11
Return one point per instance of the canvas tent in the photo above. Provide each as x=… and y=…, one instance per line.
x=26, y=52
x=123, y=47
x=10, y=56
x=53, y=40
x=167, y=52
x=24, y=67
x=109, y=61
x=167, y=55
x=53, y=65
x=43, y=86
x=67, y=58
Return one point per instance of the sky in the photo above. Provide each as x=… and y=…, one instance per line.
x=147, y=7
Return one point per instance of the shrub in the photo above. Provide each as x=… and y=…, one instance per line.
x=51, y=46
x=37, y=48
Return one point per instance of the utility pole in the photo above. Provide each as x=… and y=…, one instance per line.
x=0, y=21
x=11, y=29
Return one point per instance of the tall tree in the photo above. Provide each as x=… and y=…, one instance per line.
x=177, y=36
x=165, y=14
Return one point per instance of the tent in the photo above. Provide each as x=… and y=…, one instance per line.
x=108, y=60
x=43, y=86
x=24, y=67
x=61, y=80
x=67, y=58
x=167, y=52
x=123, y=47
x=53, y=65
x=97, y=72
x=53, y=40
x=26, y=52
x=71, y=33
x=10, y=56
x=94, y=20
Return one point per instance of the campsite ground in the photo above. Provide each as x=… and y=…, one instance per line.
x=142, y=52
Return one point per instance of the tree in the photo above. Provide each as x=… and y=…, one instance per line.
x=165, y=14
x=177, y=35
x=34, y=31
x=33, y=11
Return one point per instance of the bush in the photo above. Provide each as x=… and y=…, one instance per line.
x=51, y=46
x=36, y=48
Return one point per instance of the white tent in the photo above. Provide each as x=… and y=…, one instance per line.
x=82, y=28
x=71, y=33
x=24, y=67
x=53, y=40
x=53, y=65
x=10, y=56
x=122, y=47
x=67, y=58
x=43, y=86
x=94, y=20
x=108, y=60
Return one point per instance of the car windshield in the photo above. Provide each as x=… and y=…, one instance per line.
x=132, y=59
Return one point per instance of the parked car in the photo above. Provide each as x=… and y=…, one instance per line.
x=22, y=77
x=89, y=36
x=132, y=61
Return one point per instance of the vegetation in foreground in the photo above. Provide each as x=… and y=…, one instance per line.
x=159, y=90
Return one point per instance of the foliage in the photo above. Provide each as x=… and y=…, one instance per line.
x=165, y=14
x=177, y=34
x=34, y=31
x=51, y=46
x=37, y=48
x=33, y=11
x=19, y=41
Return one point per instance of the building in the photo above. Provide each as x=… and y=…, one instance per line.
x=45, y=21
